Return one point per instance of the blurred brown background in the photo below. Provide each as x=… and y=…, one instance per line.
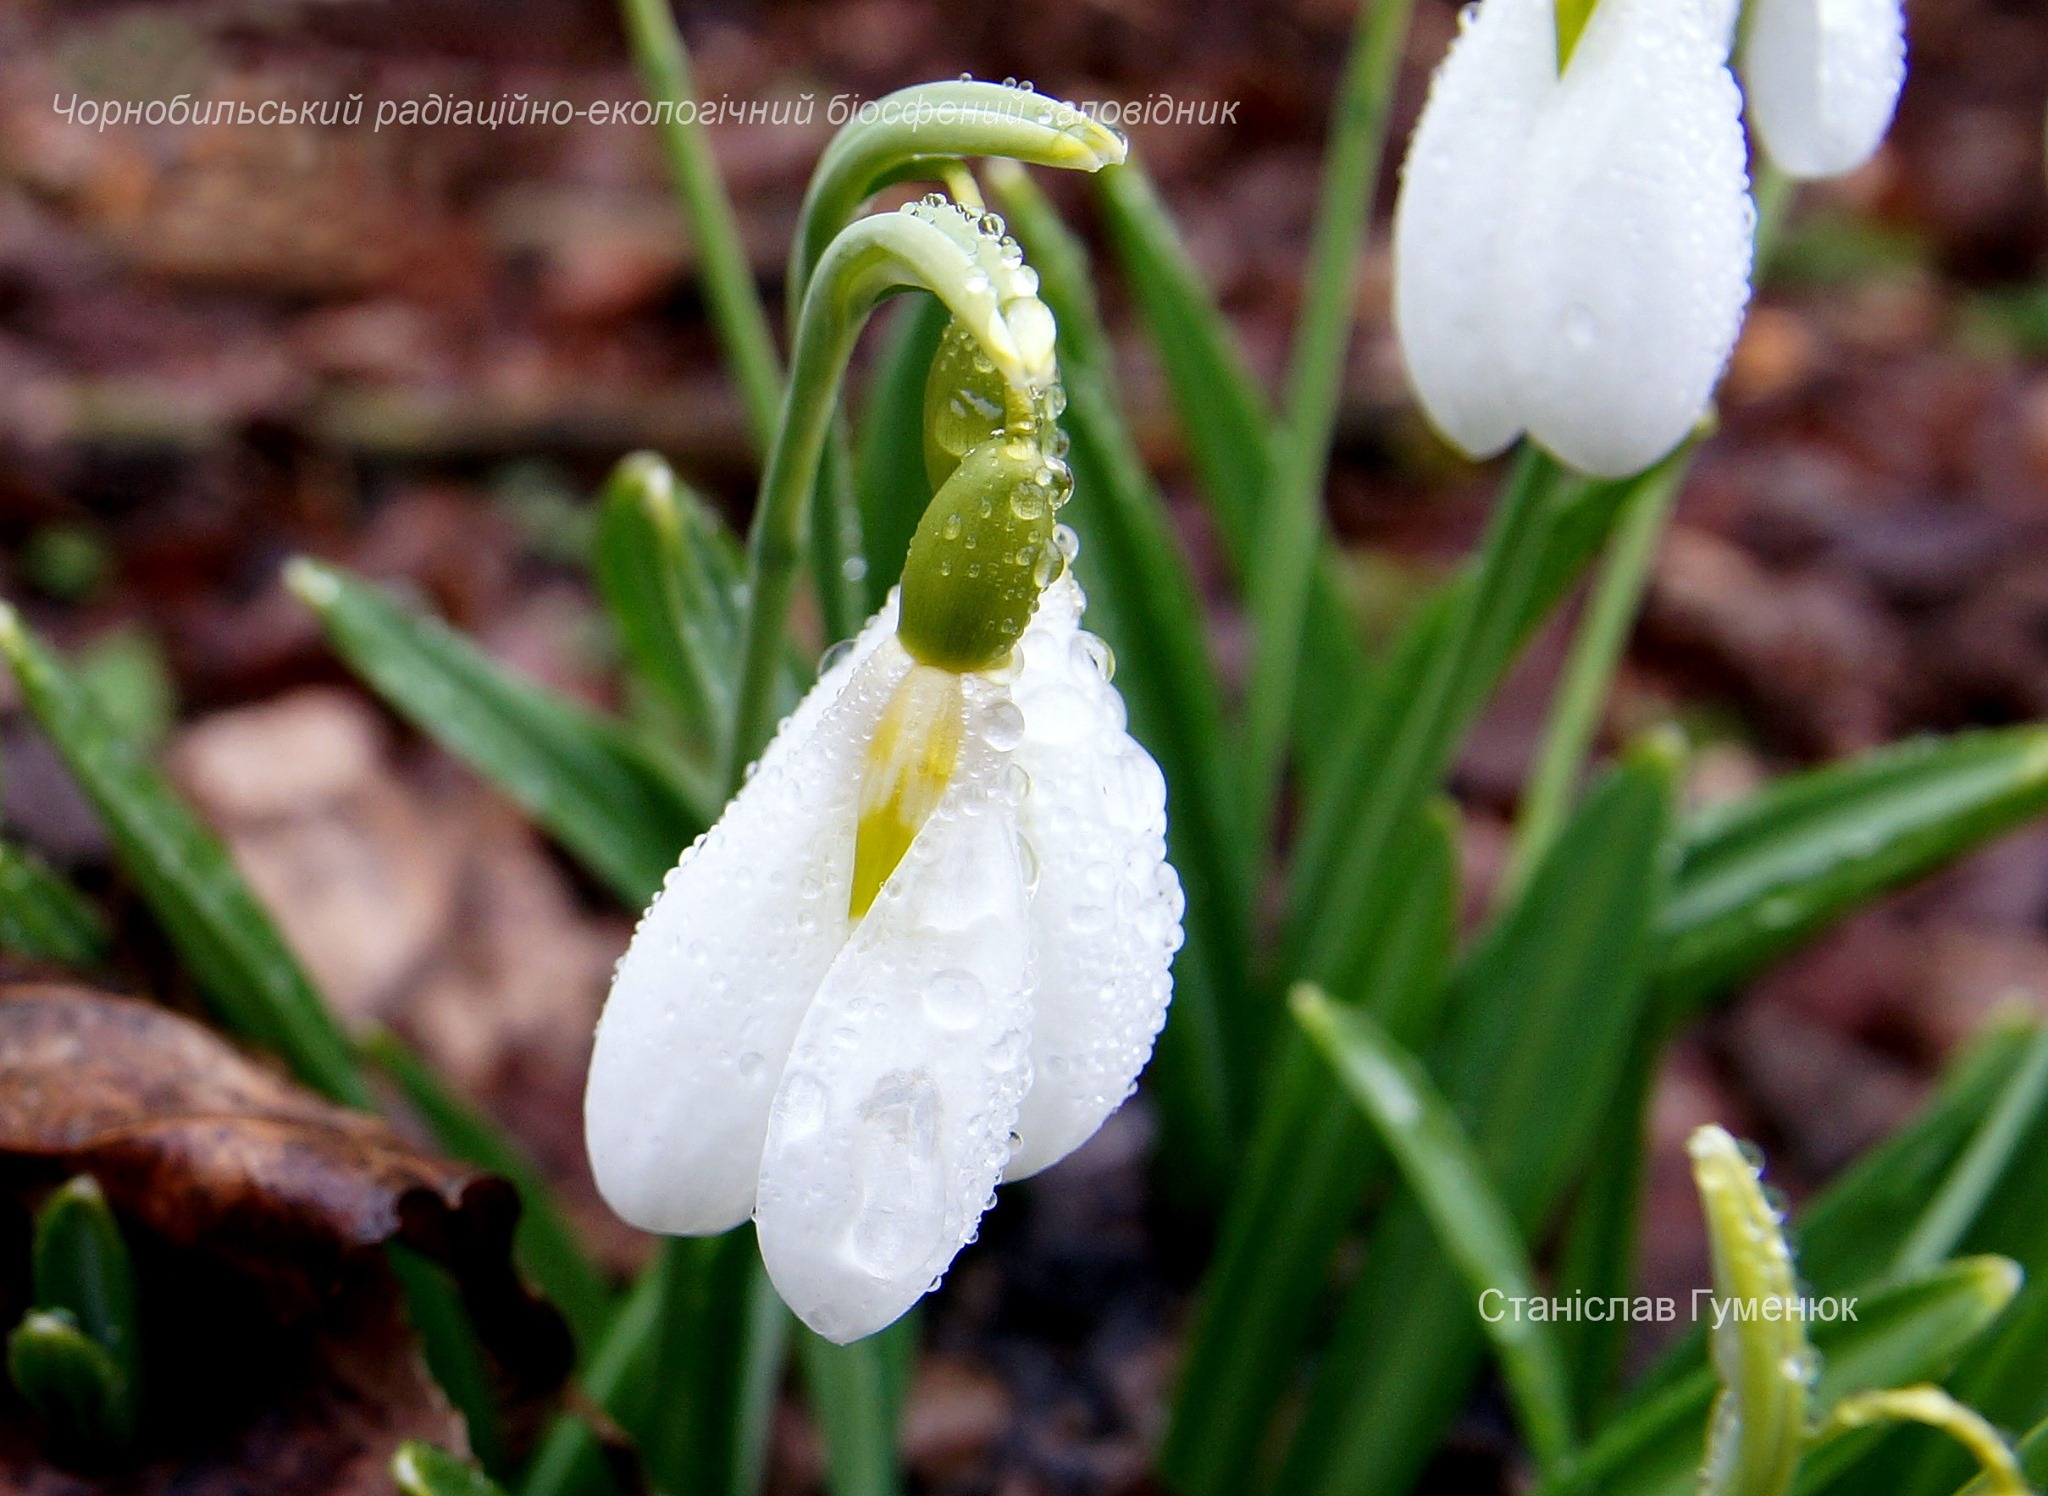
x=414, y=350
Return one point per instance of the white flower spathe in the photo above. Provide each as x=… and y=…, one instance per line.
x=859, y=1087
x=1572, y=251
x=1823, y=78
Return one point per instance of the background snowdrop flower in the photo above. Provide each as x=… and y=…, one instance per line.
x=925, y=949
x=1572, y=244
x=1823, y=78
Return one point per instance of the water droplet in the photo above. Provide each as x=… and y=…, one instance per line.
x=800, y=1105
x=1003, y=726
x=955, y=999
x=1046, y=566
x=1091, y=653
x=751, y=1064
x=902, y=1209
x=1068, y=542
x=834, y=655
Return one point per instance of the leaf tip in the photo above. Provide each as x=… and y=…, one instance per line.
x=312, y=583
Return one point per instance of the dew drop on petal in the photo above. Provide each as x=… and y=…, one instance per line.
x=800, y=1105
x=902, y=1215
x=955, y=999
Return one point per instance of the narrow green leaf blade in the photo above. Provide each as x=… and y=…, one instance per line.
x=1229, y=434
x=651, y=558
x=1311, y=1161
x=1473, y=1228
x=857, y=1395
x=224, y=935
x=43, y=917
x=1543, y=1017
x=576, y=774
x=1757, y=877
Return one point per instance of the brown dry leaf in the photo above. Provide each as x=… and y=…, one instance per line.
x=205, y=1149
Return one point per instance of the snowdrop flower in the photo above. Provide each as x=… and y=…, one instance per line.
x=1573, y=235
x=926, y=948
x=1823, y=78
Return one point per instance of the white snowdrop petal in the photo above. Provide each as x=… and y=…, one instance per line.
x=1451, y=216
x=707, y=999
x=1627, y=268
x=894, y=1116
x=1823, y=79
x=1105, y=912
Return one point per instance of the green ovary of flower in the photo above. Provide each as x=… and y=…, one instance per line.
x=982, y=554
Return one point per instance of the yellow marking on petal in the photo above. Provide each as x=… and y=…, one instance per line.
x=910, y=762
x=1572, y=16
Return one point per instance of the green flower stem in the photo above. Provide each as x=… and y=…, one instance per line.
x=918, y=132
x=736, y=309
x=1290, y=538
x=875, y=256
x=1617, y=598
x=1596, y=651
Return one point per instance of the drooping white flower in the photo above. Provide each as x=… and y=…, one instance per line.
x=1823, y=78
x=1572, y=246
x=859, y=1078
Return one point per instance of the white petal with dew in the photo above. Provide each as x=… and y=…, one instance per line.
x=1450, y=221
x=1105, y=913
x=1628, y=266
x=893, y=1120
x=1823, y=79
x=708, y=997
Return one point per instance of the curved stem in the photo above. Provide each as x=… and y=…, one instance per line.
x=876, y=256
x=917, y=132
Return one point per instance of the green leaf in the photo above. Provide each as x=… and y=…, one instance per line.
x=420, y=1469
x=857, y=1394
x=1223, y=417
x=729, y=289
x=1758, y=1427
x=578, y=775
x=43, y=917
x=1543, y=1016
x=1396, y=746
x=451, y=1350
x=1473, y=1228
x=1228, y=432
x=615, y=1376
x=81, y=1266
x=720, y=1338
x=1310, y=1163
x=544, y=1242
x=1290, y=526
x=1848, y=1236
x=889, y=473
x=223, y=934
x=654, y=559
x=1761, y=875
x=1144, y=602
x=1907, y=1332
x=71, y=1383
